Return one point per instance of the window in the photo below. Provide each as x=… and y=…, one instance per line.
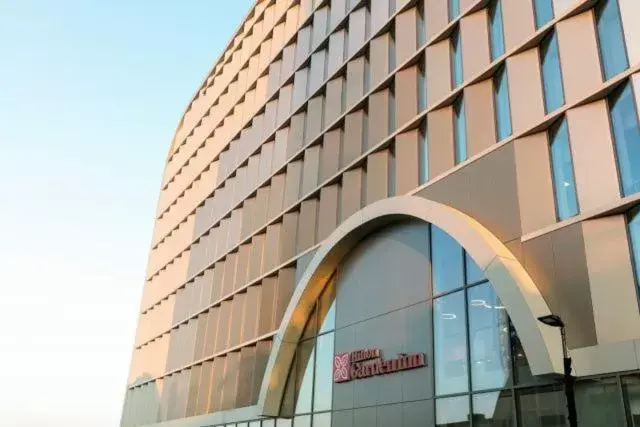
x=423, y=156
x=456, y=58
x=446, y=260
x=551, y=74
x=453, y=411
x=493, y=409
x=626, y=135
x=634, y=237
x=543, y=11
x=503, y=110
x=612, y=49
x=631, y=387
x=562, y=169
x=460, y=131
x=454, y=9
x=450, y=344
x=496, y=29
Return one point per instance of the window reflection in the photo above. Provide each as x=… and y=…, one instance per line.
x=503, y=109
x=493, y=409
x=598, y=403
x=302, y=421
x=562, y=168
x=472, y=271
x=489, y=339
x=543, y=11
x=446, y=261
x=611, y=38
x=322, y=420
x=324, y=373
x=450, y=344
x=497, y=33
x=626, y=133
x=452, y=412
x=456, y=50
x=460, y=130
x=304, y=379
x=542, y=407
x=327, y=309
x=551, y=74
x=631, y=388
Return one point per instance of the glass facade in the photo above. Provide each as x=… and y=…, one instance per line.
x=503, y=109
x=562, y=171
x=496, y=29
x=613, y=53
x=460, y=130
x=454, y=9
x=456, y=58
x=626, y=134
x=543, y=11
x=551, y=73
x=634, y=238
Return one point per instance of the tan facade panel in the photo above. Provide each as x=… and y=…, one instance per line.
x=436, y=14
x=315, y=122
x=330, y=160
x=328, y=210
x=379, y=105
x=356, y=70
x=307, y=224
x=406, y=96
x=358, y=29
x=354, y=132
x=292, y=184
x=377, y=176
x=592, y=151
x=289, y=233
x=337, y=46
x=380, y=50
x=480, y=116
x=380, y=12
x=525, y=82
x=474, y=30
x=352, y=193
x=630, y=14
x=438, y=60
x=311, y=167
x=406, y=34
x=335, y=103
x=518, y=22
x=535, y=189
x=579, y=58
x=440, y=135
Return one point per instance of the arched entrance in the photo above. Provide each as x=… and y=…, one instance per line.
x=506, y=284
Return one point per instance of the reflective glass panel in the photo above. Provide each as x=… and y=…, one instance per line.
x=268, y=423
x=452, y=412
x=322, y=420
x=544, y=12
x=302, y=421
x=456, y=49
x=454, y=9
x=634, y=236
x=611, y=38
x=254, y=424
x=489, y=339
x=496, y=27
x=304, y=378
x=542, y=407
x=551, y=74
x=598, y=403
x=446, y=261
x=284, y=422
x=450, y=344
x=473, y=272
x=562, y=167
x=626, y=132
x=503, y=109
x=324, y=373
x=423, y=153
x=493, y=409
x=631, y=388
x=460, y=131
x=327, y=307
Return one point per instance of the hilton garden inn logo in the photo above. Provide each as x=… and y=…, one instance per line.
x=367, y=363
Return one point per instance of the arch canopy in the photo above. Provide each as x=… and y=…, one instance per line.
x=512, y=283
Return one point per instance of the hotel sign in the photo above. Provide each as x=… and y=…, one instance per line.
x=368, y=362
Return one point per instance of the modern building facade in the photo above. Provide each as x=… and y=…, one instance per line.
x=369, y=203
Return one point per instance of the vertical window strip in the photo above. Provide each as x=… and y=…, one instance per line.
x=613, y=54
x=562, y=170
x=543, y=11
x=626, y=136
x=551, y=74
x=460, y=131
x=454, y=9
x=634, y=237
x=497, y=29
x=456, y=48
x=423, y=153
x=503, y=109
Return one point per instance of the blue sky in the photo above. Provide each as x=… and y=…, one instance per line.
x=90, y=94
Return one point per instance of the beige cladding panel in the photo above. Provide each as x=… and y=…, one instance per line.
x=518, y=22
x=592, y=151
x=613, y=288
x=480, y=117
x=330, y=159
x=525, y=83
x=436, y=13
x=440, y=135
x=310, y=169
x=379, y=57
x=438, y=60
x=352, y=193
x=307, y=224
x=352, y=142
x=334, y=104
x=406, y=96
x=406, y=156
x=635, y=81
x=474, y=30
x=356, y=70
x=535, y=189
x=377, y=176
x=579, y=58
x=406, y=34
x=328, y=210
x=630, y=15
x=379, y=104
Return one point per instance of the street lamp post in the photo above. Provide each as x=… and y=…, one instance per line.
x=556, y=322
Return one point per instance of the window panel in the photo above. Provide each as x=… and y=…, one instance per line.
x=304, y=380
x=503, y=109
x=631, y=388
x=493, y=409
x=626, y=133
x=323, y=384
x=488, y=338
x=453, y=412
x=423, y=153
x=496, y=29
x=460, y=131
x=456, y=57
x=634, y=236
x=551, y=74
x=322, y=420
x=454, y=9
x=598, y=403
x=611, y=39
x=446, y=262
x=562, y=168
x=542, y=407
x=450, y=344
x=543, y=12
x=472, y=271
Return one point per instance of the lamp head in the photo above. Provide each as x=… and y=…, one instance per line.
x=552, y=320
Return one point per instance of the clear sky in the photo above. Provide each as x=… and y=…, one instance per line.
x=90, y=94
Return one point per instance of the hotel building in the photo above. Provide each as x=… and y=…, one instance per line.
x=368, y=204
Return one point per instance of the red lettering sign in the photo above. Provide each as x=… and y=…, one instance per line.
x=368, y=362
